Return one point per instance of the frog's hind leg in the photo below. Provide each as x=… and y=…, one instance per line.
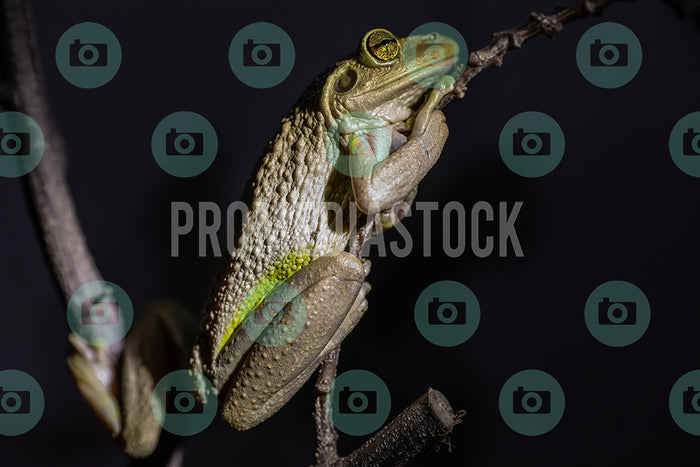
x=333, y=290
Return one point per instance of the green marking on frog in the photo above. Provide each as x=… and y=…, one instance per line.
x=279, y=273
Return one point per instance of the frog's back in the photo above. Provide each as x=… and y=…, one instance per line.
x=288, y=223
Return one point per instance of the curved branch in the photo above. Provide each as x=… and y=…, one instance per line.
x=64, y=240
x=53, y=209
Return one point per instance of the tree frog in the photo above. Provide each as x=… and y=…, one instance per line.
x=289, y=236
x=291, y=241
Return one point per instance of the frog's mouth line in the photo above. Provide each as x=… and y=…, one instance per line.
x=411, y=80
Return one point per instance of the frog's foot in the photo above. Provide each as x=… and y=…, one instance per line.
x=405, y=167
x=398, y=211
x=158, y=343
x=333, y=291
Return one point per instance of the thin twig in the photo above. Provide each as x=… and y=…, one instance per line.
x=501, y=42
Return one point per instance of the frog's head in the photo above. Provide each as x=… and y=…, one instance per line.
x=382, y=80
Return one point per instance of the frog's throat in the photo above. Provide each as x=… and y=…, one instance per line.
x=276, y=275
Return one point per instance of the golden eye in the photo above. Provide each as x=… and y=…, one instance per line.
x=346, y=81
x=383, y=45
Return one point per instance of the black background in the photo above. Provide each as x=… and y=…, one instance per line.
x=616, y=208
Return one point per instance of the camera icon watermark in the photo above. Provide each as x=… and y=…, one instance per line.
x=434, y=53
x=88, y=55
x=617, y=313
x=684, y=402
x=691, y=401
x=531, y=402
x=351, y=401
x=609, y=55
x=184, y=402
x=84, y=54
x=359, y=404
x=258, y=54
x=14, y=143
x=447, y=313
x=179, y=401
x=100, y=313
x=274, y=314
x=184, y=144
x=181, y=143
x=277, y=315
x=261, y=55
x=14, y=402
x=691, y=142
x=684, y=144
x=21, y=144
x=21, y=402
x=531, y=144
x=357, y=144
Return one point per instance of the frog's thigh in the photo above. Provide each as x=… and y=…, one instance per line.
x=404, y=168
x=333, y=290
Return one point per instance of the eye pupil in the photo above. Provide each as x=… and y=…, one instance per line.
x=383, y=46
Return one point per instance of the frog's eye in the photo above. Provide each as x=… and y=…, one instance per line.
x=382, y=45
x=346, y=81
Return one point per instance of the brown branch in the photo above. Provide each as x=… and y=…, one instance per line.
x=501, y=42
x=425, y=423
x=64, y=242
x=22, y=88
x=326, y=435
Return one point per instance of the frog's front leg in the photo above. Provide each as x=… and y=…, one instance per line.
x=406, y=166
x=333, y=291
